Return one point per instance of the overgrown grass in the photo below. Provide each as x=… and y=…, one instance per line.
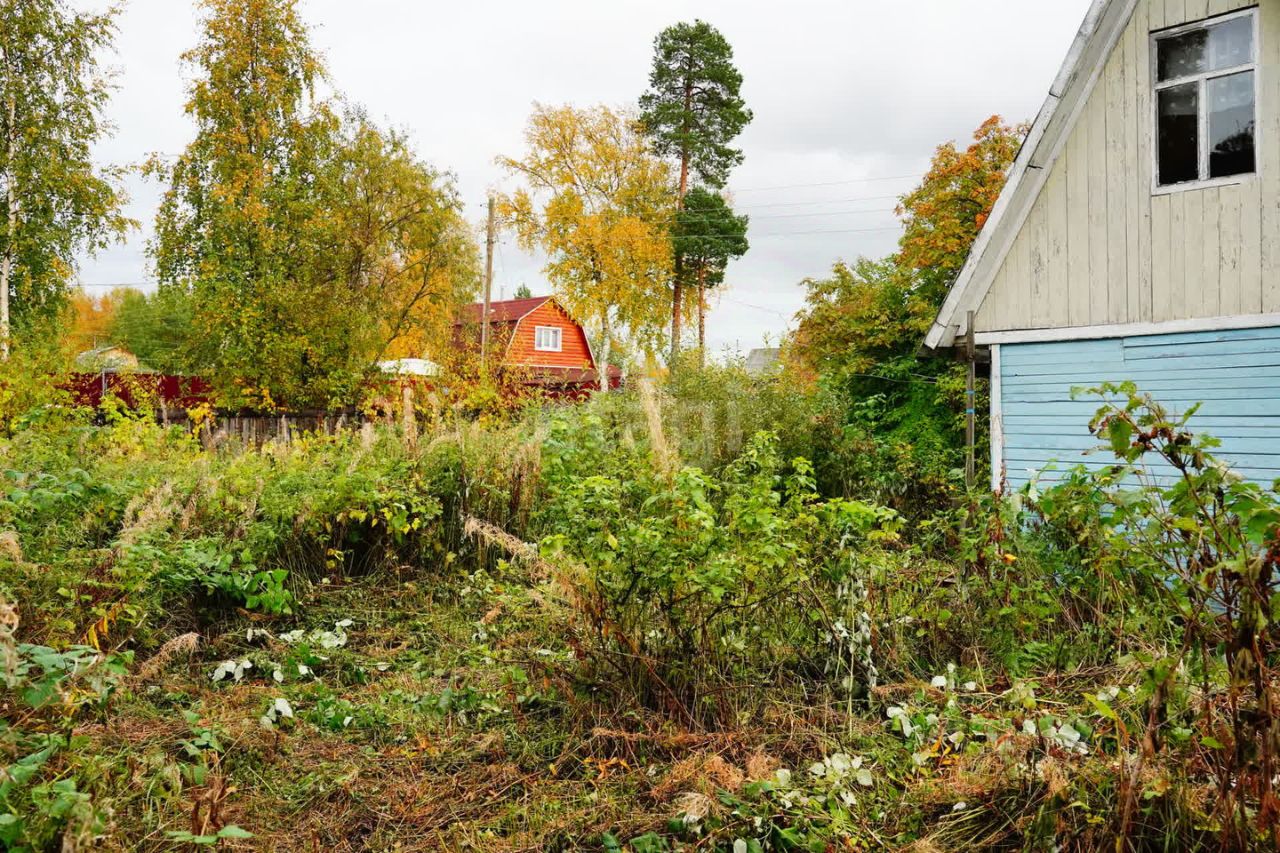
x=629, y=625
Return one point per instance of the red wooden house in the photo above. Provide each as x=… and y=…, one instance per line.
x=539, y=344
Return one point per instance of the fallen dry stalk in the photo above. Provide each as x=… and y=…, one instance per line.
x=571, y=577
x=183, y=644
x=664, y=459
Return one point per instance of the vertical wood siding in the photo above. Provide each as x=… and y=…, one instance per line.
x=1100, y=248
x=1234, y=374
x=574, y=351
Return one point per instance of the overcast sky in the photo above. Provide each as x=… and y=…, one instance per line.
x=850, y=98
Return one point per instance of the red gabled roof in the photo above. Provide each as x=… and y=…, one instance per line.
x=510, y=311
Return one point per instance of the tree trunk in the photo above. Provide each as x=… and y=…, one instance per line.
x=11, y=230
x=702, y=317
x=684, y=150
x=677, y=289
x=606, y=340
x=677, y=296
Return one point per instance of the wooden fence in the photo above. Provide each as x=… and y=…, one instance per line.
x=252, y=429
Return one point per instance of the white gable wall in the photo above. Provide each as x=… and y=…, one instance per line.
x=1099, y=248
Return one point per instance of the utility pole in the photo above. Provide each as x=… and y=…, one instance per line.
x=488, y=288
x=971, y=406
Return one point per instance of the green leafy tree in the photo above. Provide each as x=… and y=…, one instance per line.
x=706, y=236
x=310, y=243
x=234, y=228
x=694, y=110
x=861, y=329
x=944, y=214
x=155, y=327
x=402, y=255
x=56, y=202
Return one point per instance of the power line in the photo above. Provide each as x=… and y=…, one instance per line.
x=818, y=201
x=827, y=183
x=754, y=218
x=834, y=231
x=782, y=314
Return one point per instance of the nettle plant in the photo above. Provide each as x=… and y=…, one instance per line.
x=1197, y=542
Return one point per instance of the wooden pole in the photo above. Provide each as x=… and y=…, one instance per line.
x=971, y=407
x=488, y=288
x=408, y=417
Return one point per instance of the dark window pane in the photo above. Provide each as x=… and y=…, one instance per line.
x=1231, y=125
x=1181, y=56
x=1231, y=43
x=1179, y=134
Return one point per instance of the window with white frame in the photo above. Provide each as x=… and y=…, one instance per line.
x=1206, y=100
x=547, y=339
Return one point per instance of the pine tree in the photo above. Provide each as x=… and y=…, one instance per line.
x=706, y=236
x=694, y=110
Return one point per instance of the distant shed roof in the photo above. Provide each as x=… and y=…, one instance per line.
x=763, y=360
x=110, y=359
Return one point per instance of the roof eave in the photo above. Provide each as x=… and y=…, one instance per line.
x=1102, y=27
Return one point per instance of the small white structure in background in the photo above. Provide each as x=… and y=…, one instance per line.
x=410, y=367
x=763, y=361
x=109, y=359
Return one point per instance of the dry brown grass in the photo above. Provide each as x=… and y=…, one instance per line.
x=10, y=546
x=183, y=644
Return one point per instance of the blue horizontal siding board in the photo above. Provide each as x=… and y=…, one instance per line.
x=1021, y=355
x=1188, y=389
x=1233, y=376
x=1254, y=426
x=1152, y=374
x=1088, y=375
x=1193, y=349
x=1171, y=397
x=1183, y=361
x=1180, y=358
x=1269, y=332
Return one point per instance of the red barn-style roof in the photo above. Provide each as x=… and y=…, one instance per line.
x=509, y=311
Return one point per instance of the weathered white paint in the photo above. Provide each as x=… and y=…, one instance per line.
x=1203, y=243
x=1084, y=240
x=1102, y=28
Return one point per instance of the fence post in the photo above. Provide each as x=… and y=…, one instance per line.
x=408, y=418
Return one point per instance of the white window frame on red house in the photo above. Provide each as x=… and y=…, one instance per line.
x=548, y=339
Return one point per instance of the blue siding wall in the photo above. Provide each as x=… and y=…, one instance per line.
x=1235, y=374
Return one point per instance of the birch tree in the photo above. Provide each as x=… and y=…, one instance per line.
x=309, y=242
x=56, y=201
x=598, y=203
